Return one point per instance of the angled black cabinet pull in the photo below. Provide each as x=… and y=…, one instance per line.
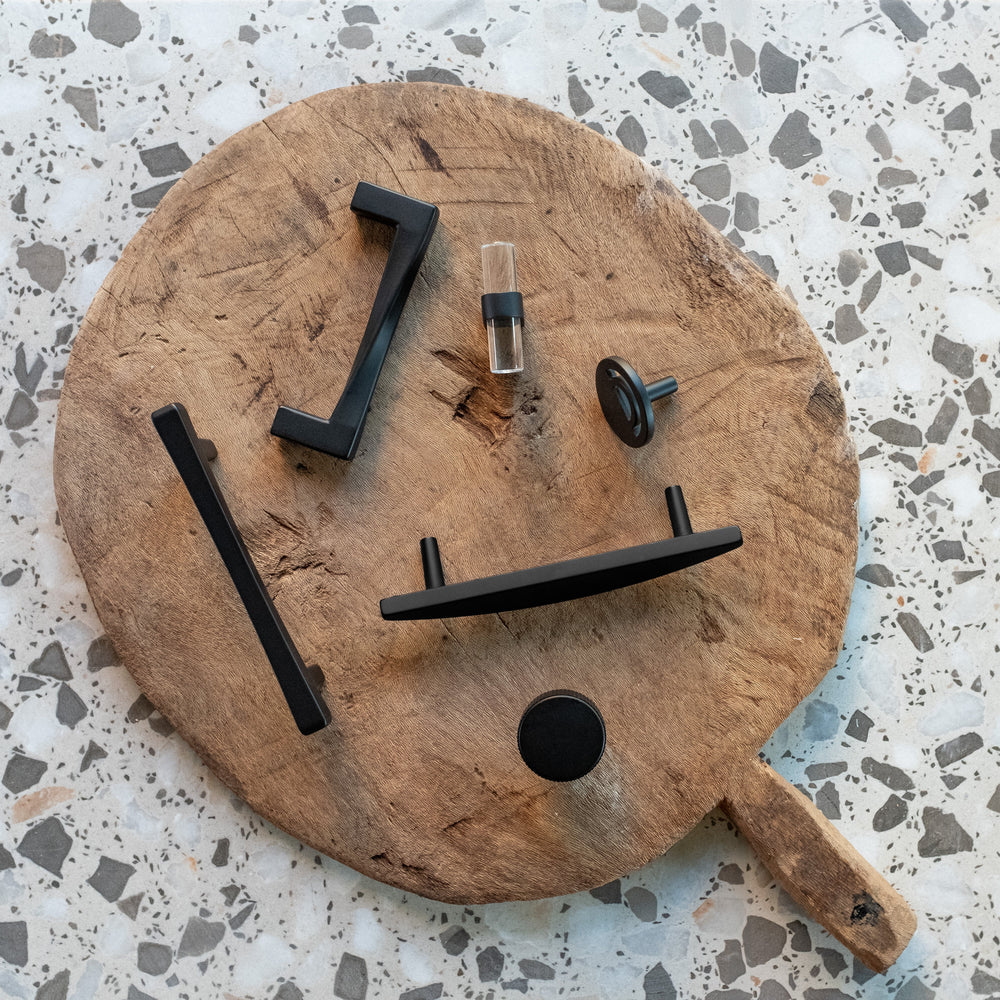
x=414, y=221
x=563, y=581
x=188, y=453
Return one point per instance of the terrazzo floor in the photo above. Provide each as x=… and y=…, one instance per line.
x=852, y=151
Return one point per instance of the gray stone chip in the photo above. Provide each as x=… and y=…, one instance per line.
x=579, y=100
x=670, y=91
x=289, y=991
x=150, y=197
x=983, y=982
x=23, y=772
x=161, y=161
x=455, y=940
x=730, y=962
x=688, y=17
x=434, y=74
x=360, y=13
x=47, y=844
x=828, y=800
x=978, y=398
x=431, y=992
x=914, y=989
x=610, y=893
x=704, y=145
x=111, y=878
x=945, y=419
x=859, y=726
x=961, y=76
x=954, y=750
x=70, y=708
x=896, y=432
x=84, y=99
x=909, y=214
x=794, y=145
x=618, y=6
x=111, y=21
x=200, y=937
x=902, y=16
x=893, y=811
x=530, y=968
x=956, y=357
x=890, y=776
x=942, y=835
x=248, y=33
x=152, y=958
x=52, y=663
x=713, y=37
x=729, y=138
x=469, y=45
x=642, y=903
x=351, y=980
x=879, y=141
x=959, y=119
x=14, y=942
x=717, y=215
x=846, y=325
x=651, y=20
x=22, y=411
x=100, y=654
x=988, y=437
x=45, y=264
x=945, y=550
x=778, y=72
x=893, y=258
x=919, y=91
x=631, y=135
x=713, y=182
x=490, y=962
x=657, y=984
x=355, y=36
x=914, y=631
x=894, y=177
x=57, y=988
x=744, y=57
x=46, y=46
x=763, y=940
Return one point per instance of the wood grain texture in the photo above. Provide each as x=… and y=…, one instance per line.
x=250, y=286
x=819, y=868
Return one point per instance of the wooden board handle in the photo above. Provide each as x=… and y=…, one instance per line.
x=820, y=870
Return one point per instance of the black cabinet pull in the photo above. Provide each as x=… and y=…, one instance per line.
x=562, y=581
x=414, y=221
x=188, y=453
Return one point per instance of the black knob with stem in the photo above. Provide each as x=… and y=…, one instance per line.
x=627, y=401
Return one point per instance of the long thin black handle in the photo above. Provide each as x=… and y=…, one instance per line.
x=566, y=581
x=179, y=438
x=415, y=222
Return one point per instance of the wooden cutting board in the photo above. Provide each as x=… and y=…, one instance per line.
x=250, y=286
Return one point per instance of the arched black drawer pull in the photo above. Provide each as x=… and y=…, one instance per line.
x=414, y=221
x=563, y=581
x=189, y=453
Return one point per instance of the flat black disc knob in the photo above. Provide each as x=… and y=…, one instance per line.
x=561, y=736
x=627, y=401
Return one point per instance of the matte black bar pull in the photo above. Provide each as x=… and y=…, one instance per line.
x=566, y=581
x=414, y=221
x=182, y=443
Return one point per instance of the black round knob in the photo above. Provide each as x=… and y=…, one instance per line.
x=561, y=736
x=627, y=401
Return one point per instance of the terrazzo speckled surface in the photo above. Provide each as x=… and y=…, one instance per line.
x=852, y=151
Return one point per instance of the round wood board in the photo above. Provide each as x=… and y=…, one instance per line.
x=250, y=286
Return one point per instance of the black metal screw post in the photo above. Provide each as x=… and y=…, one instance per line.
x=627, y=401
